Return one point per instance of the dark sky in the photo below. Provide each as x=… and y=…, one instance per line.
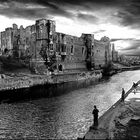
x=101, y=17
x=129, y=10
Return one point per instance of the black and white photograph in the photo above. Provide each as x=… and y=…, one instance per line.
x=70, y=69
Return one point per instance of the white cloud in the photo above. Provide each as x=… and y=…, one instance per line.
x=7, y=22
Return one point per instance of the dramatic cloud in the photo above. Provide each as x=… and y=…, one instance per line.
x=19, y=8
x=24, y=10
x=133, y=45
x=130, y=14
x=128, y=10
x=130, y=46
x=99, y=31
x=119, y=19
x=129, y=19
x=87, y=18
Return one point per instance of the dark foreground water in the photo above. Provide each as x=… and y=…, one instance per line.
x=65, y=116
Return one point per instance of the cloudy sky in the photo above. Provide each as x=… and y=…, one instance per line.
x=117, y=19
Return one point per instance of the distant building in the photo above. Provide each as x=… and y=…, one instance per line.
x=129, y=60
x=0, y=45
x=114, y=54
x=3, y=41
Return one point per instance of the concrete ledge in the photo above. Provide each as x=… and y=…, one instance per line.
x=103, y=130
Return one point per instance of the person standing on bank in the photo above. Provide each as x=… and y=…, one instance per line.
x=134, y=86
x=95, y=115
x=123, y=93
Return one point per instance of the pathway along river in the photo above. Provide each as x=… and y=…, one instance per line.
x=65, y=116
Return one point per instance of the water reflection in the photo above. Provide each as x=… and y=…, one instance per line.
x=65, y=116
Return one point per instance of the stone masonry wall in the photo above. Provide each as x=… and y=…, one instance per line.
x=70, y=52
x=45, y=49
x=99, y=54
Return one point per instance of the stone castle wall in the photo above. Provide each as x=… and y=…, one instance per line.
x=45, y=49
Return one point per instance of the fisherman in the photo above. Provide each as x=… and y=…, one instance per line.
x=123, y=93
x=95, y=115
x=134, y=86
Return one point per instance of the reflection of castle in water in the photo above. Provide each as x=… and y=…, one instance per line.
x=42, y=48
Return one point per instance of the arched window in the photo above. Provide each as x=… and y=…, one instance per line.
x=72, y=49
x=82, y=50
x=60, y=67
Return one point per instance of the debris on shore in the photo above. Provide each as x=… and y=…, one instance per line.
x=127, y=121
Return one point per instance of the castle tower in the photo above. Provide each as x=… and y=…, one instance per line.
x=114, y=54
x=89, y=43
x=45, y=30
x=113, y=47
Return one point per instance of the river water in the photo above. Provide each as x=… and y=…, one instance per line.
x=67, y=116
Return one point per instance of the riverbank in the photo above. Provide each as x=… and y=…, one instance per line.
x=21, y=80
x=126, y=122
x=11, y=81
x=116, y=122
x=18, y=85
x=117, y=68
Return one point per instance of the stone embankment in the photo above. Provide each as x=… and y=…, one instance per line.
x=120, y=68
x=13, y=81
x=121, y=121
x=116, y=68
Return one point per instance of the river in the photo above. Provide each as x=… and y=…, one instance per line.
x=67, y=116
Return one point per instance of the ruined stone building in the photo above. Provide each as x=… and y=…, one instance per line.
x=0, y=45
x=114, y=54
x=45, y=49
x=3, y=41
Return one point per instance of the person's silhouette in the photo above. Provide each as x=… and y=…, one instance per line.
x=123, y=93
x=95, y=115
